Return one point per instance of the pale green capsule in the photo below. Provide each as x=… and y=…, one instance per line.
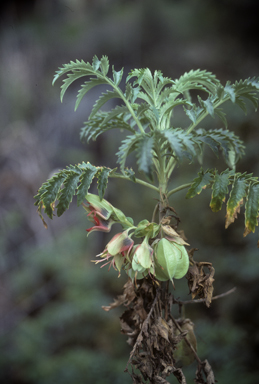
x=171, y=260
x=183, y=262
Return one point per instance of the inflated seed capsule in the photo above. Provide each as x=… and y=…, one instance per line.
x=171, y=260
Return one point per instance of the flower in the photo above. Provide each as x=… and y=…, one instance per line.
x=101, y=224
x=120, y=243
x=101, y=207
x=117, y=250
x=99, y=212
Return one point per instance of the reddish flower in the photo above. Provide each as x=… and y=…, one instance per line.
x=118, y=249
x=101, y=224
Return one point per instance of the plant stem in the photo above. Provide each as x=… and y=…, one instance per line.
x=127, y=104
x=178, y=189
x=139, y=181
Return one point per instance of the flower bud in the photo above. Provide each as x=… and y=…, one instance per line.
x=143, y=256
x=119, y=243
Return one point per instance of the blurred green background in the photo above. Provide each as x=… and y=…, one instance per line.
x=52, y=327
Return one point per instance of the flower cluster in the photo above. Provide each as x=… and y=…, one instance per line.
x=163, y=257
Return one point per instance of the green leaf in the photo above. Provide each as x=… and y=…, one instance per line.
x=222, y=116
x=199, y=183
x=218, y=138
x=49, y=191
x=117, y=111
x=104, y=65
x=238, y=192
x=230, y=92
x=128, y=145
x=179, y=142
x=145, y=155
x=193, y=113
x=71, y=77
x=117, y=76
x=96, y=63
x=102, y=100
x=102, y=176
x=208, y=105
x=95, y=127
x=88, y=173
x=85, y=88
x=220, y=189
x=252, y=209
x=197, y=79
x=68, y=191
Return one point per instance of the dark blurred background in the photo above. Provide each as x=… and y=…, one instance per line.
x=52, y=327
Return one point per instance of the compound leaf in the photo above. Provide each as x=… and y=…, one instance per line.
x=201, y=182
x=128, y=145
x=102, y=176
x=66, y=194
x=145, y=155
x=252, y=208
x=85, y=88
x=106, y=96
x=88, y=173
x=220, y=190
x=238, y=192
x=48, y=193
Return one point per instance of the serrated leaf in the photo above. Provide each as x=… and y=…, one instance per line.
x=88, y=173
x=145, y=155
x=208, y=105
x=179, y=142
x=229, y=90
x=238, y=192
x=71, y=77
x=193, y=113
x=130, y=173
x=96, y=63
x=222, y=116
x=85, y=88
x=106, y=96
x=95, y=127
x=219, y=190
x=251, y=209
x=117, y=76
x=197, y=79
x=104, y=65
x=128, y=145
x=66, y=194
x=118, y=110
x=203, y=180
x=52, y=188
x=103, y=175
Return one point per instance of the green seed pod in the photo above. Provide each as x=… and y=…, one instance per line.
x=171, y=260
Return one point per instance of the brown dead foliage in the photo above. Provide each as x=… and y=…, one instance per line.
x=152, y=332
x=200, y=283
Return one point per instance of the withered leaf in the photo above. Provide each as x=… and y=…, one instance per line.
x=178, y=373
x=205, y=369
x=199, y=282
x=125, y=299
x=160, y=380
x=208, y=372
x=121, y=299
x=162, y=328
